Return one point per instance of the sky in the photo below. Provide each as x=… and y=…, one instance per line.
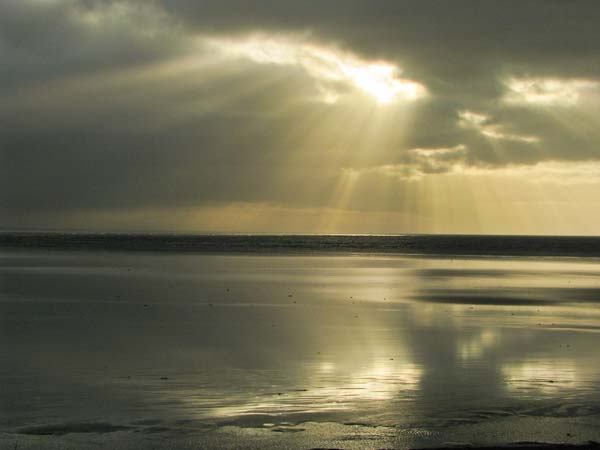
x=280, y=116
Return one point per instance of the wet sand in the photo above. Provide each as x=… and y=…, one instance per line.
x=130, y=350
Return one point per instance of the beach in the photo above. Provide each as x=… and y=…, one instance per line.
x=157, y=350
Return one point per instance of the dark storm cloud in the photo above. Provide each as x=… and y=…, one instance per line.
x=89, y=120
x=42, y=40
x=456, y=38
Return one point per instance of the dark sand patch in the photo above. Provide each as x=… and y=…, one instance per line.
x=591, y=445
x=146, y=422
x=154, y=430
x=488, y=298
x=515, y=446
x=66, y=428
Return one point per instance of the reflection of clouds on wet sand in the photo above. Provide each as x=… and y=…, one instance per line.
x=388, y=341
x=545, y=376
x=474, y=347
x=332, y=391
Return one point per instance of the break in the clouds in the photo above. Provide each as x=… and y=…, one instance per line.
x=360, y=116
x=328, y=67
x=549, y=91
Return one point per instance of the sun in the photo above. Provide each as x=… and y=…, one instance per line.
x=379, y=80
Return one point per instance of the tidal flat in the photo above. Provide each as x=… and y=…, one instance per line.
x=151, y=350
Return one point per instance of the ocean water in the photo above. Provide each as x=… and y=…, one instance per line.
x=238, y=345
x=476, y=245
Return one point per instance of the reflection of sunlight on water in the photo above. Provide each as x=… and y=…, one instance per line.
x=473, y=347
x=502, y=281
x=369, y=334
x=384, y=380
x=332, y=391
x=541, y=376
x=327, y=367
x=482, y=274
x=426, y=314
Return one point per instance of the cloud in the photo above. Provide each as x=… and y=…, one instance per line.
x=42, y=40
x=418, y=162
x=481, y=123
x=547, y=172
x=329, y=67
x=111, y=105
x=548, y=91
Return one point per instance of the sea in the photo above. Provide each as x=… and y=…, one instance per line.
x=412, y=244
